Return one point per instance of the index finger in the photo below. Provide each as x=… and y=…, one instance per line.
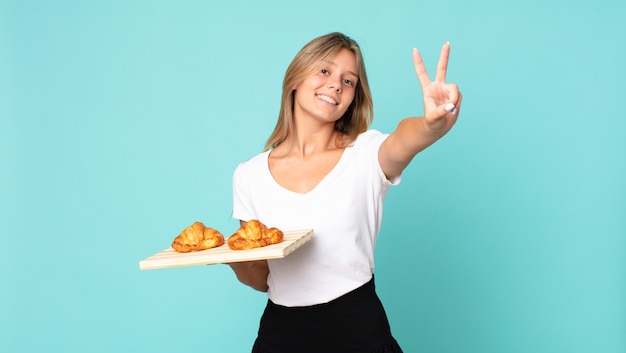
x=420, y=70
x=442, y=65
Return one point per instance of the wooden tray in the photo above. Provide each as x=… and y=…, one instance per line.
x=223, y=254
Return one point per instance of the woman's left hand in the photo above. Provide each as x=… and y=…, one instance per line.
x=442, y=101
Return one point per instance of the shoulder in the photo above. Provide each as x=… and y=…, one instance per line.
x=370, y=137
x=253, y=164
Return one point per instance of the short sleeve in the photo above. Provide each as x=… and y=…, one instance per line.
x=370, y=142
x=242, y=204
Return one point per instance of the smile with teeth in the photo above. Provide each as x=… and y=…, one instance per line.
x=327, y=99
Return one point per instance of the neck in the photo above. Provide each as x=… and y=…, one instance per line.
x=307, y=140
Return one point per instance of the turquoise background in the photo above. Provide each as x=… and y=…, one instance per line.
x=121, y=123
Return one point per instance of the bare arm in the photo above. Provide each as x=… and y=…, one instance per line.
x=252, y=273
x=442, y=102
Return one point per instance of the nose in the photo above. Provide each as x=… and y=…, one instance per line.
x=335, y=84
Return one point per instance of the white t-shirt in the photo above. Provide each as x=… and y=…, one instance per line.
x=344, y=210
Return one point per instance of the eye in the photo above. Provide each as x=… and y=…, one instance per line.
x=348, y=82
x=324, y=71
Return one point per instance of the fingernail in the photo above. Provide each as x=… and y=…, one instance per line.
x=450, y=107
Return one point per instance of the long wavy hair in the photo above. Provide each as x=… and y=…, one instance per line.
x=359, y=114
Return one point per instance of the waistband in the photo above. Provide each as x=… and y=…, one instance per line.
x=359, y=293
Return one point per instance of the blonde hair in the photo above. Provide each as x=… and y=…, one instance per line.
x=359, y=114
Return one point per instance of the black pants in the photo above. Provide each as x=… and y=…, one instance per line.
x=353, y=323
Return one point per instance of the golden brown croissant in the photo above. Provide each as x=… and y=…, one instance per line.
x=197, y=237
x=254, y=234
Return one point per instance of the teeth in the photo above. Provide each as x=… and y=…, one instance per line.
x=327, y=99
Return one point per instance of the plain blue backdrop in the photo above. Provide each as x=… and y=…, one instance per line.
x=121, y=122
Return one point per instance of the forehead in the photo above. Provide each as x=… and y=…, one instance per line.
x=343, y=59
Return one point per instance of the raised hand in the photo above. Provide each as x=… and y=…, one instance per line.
x=442, y=101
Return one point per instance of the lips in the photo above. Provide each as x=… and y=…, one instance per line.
x=326, y=99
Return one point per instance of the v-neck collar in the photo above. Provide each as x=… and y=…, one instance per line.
x=319, y=185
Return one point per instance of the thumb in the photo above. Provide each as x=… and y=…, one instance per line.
x=450, y=108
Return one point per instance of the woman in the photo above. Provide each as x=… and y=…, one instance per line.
x=323, y=169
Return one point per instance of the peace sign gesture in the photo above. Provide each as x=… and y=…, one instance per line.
x=442, y=101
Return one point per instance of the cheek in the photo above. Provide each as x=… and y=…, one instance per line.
x=349, y=101
x=349, y=97
x=315, y=82
x=312, y=82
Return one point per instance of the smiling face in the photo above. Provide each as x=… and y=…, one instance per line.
x=326, y=95
x=323, y=56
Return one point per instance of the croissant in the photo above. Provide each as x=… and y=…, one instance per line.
x=197, y=237
x=254, y=234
